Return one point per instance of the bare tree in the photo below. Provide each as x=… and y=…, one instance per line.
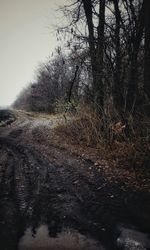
x=146, y=4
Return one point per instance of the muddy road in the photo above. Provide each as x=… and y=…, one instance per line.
x=61, y=195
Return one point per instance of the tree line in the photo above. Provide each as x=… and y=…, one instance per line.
x=107, y=61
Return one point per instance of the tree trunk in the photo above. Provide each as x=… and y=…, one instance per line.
x=133, y=94
x=87, y=4
x=117, y=88
x=99, y=83
x=147, y=49
x=96, y=49
x=72, y=83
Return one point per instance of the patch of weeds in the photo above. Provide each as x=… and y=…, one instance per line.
x=125, y=146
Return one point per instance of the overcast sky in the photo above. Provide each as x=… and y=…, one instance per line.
x=26, y=39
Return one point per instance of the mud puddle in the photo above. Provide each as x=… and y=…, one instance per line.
x=67, y=240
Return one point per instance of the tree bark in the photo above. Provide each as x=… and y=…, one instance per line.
x=117, y=88
x=72, y=83
x=147, y=49
x=99, y=84
x=87, y=4
x=96, y=49
x=133, y=95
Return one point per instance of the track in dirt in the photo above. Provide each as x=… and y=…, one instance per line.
x=34, y=192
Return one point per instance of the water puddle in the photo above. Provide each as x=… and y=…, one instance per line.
x=67, y=240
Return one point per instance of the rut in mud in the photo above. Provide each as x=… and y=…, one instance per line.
x=35, y=192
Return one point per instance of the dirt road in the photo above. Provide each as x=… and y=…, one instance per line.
x=43, y=184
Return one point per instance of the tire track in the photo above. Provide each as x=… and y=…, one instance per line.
x=36, y=192
x=41, y=193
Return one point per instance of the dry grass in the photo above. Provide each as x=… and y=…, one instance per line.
x=84, y=129
x=107, y=139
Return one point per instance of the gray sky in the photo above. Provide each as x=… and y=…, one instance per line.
x=26, y=39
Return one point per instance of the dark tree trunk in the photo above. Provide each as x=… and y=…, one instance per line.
x=117, y=88
x=147, y=49
x=87, y=4
x=96, y=49
x=99, y=83
x=133, y=94
x=72, y=84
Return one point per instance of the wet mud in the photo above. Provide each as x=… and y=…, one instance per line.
x=35, y=192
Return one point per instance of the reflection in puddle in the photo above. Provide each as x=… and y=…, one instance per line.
x=65, y=241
